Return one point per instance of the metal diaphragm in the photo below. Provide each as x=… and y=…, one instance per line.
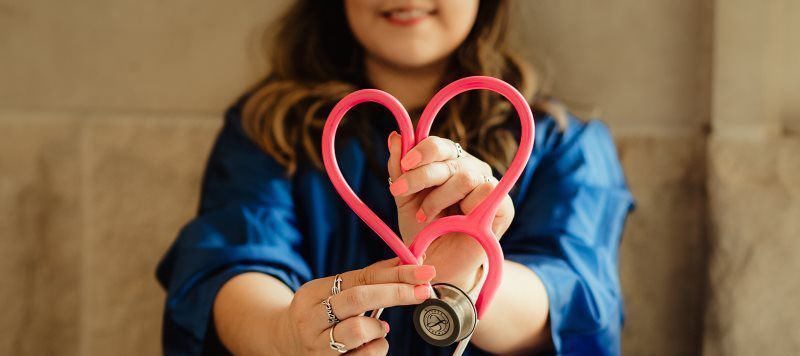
x=447, y=319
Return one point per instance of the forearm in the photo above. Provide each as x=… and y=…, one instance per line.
x=248, y=312
x=516, y=321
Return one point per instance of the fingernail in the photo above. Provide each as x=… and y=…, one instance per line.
x=422, y=292
x=411, y=160
x=385, y=326
x=398, y=187
x=421, y=216
x=425, y=272
x=389, y=140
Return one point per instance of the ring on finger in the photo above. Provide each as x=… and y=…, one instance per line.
x=459, y=150
x=337, y=285
x=332, y=319
x=335, y=346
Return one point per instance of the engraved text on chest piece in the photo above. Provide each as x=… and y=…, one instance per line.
x=437, y=322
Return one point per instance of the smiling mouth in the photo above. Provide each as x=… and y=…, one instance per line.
x=407, y=16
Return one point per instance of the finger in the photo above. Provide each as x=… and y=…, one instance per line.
x=374, y=347
x=392, y=262
x=451, y=192
x=505, y=212
x=431, y=149
x=477, y=195
x=359, y=299
x=395, y=147
x=381, y=272
x=357, y=331
x=410, y=274
x=435, y=174
x=423, y=177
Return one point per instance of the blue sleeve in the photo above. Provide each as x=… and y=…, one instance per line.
x=571, y=209
x=246, y=222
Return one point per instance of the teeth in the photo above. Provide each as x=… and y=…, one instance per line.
x=405, y=15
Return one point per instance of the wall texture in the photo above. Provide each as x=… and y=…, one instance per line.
x=645, y=68
x=754, y=170
x=108, y=109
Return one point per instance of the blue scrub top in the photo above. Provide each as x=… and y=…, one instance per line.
x=571, y=203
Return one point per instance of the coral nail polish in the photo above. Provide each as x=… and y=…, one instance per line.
x=386, y=327
x=422, y=292
x=421, y=217
x=399, y=187
x=425, y=272
x=411, y=160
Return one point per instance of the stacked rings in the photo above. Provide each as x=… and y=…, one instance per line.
x=332, y=319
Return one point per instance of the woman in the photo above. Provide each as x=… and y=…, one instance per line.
x=252, y=272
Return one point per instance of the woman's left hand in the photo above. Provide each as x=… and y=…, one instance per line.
x=438, y=183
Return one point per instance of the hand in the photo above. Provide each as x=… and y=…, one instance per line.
x=437, y=183
x=381, y=285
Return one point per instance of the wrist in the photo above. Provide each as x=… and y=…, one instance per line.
x=472, y=271
x=475, y=285
x=458, y=260
x=285, y=342
x=468, y=279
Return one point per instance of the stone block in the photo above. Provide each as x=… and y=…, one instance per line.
x=755, y=250
x=662, y=262
x=144, y=55
x=640, y=63
x=143, y=185
x=41, y=224
x=790, y=71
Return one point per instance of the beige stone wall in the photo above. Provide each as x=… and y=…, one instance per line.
x=108, y=109
x=753, y=180
x=644, y=66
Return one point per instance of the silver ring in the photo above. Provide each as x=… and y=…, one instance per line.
x=332, y=319
x=335, y=346
x=390, y=180
x=459, y=150
x=337, y=285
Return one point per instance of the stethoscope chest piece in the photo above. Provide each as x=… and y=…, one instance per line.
x=447, y=319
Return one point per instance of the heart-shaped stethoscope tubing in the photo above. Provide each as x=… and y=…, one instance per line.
x=477, y=224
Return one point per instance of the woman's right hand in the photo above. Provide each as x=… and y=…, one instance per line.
x=381, y=285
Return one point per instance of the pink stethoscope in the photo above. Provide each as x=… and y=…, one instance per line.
x=449, y=316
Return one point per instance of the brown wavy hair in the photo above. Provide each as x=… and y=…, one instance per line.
x=315, y=61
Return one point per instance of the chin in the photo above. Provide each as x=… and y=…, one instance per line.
x=412, y=63
x=410, y=59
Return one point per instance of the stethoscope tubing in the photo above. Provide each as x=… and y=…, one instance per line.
x=478, y=222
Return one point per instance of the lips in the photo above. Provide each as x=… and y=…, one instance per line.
x=407, y=15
